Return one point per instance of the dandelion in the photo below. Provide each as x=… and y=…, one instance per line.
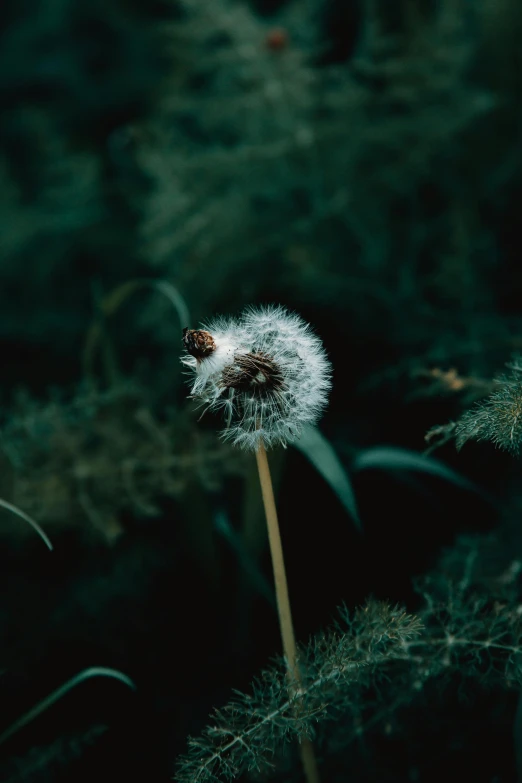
x=268, y=373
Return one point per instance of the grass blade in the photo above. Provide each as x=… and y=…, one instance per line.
x=28, y=519
x=321, y=454
x=52, y=698
x=397, y=458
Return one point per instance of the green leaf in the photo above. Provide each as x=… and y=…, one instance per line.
x=397, y=458
x=322, y=455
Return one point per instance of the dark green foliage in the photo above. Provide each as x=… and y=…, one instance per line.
x=92, y=457
x=173, y=137
x=74, y=76
x=251, y=730
x=499, y=417
x=361, y=163
x=376, y=662
x=363, y=186
x=495, y=418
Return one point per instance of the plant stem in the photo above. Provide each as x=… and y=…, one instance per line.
x=283, y=601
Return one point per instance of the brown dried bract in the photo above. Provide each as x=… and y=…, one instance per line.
x=198, y=342
x=252, y=371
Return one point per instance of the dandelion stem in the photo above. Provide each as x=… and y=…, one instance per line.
x=278, y=564
x=283, y=601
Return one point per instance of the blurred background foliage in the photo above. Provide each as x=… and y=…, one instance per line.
x=359, y=161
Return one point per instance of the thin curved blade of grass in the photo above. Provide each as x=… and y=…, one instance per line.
x=19, y=513
x=52, y=698
x=397, y=458
x=119, y=295
x=116, y=298
x=321, y=454
x=172, y=293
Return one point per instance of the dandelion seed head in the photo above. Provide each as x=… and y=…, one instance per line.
x=268, y=374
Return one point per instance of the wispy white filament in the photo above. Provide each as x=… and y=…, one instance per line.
x=269, y=407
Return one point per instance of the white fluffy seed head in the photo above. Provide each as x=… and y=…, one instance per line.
x=268, y=373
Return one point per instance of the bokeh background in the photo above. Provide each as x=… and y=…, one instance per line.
x=358, y=161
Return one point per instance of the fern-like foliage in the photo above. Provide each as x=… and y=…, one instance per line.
x=89, y=457
x=373, y=663
x=248, y=732
x=498, y=418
